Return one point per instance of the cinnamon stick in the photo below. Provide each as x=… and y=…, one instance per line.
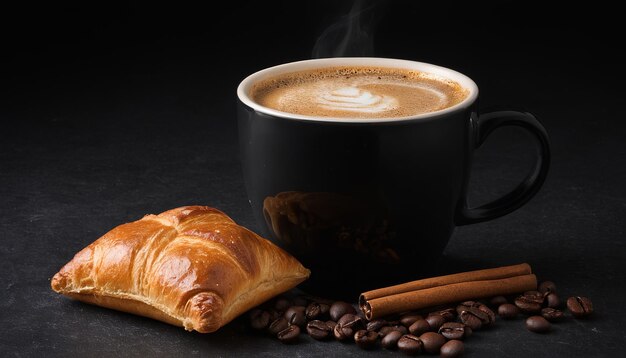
x=478, y=275
x=447, y=289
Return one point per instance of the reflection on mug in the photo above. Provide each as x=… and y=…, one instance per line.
x=308, y=221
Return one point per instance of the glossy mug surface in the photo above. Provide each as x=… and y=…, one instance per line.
x=368, y=201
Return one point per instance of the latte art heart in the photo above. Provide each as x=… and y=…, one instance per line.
x=356, y=100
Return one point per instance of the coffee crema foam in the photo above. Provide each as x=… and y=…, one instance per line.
x=358, y=92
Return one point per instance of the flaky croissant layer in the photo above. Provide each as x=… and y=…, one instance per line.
x=192, y=267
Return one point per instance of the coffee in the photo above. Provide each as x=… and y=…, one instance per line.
x=336, y=152
x=358, y=92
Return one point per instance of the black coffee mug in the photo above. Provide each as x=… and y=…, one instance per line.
x=365, y=203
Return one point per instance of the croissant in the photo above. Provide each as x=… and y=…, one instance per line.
x=192, y=267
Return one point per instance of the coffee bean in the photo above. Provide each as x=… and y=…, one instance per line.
x=385, y=331
x=324, y=309
x=338, y=333
x=388, y=329
x=553, y=300
x=293, y=309
x=491, y=317
x=298, y=320
x=473, y=318
x=312, y=311
x=420, y=326
x=537, y=324
x=580, y=307
x=435, y=321
x=508, y=311
x=318, y=330
x=259, y=319
x=452, y=349
x=274, y=315
x=376, y=324
x=454, y=330
x=289, y=334
x=282, y=304
x=471, y=321
x=482, y=312
x=547, y=287
x=350, y=320
x=497, y=301
x=409, y=319
x=331, y=325
x=339, y=308
x=390, y=340
x=278, y=325
x=347, y=325
x=300, y=301
x=432, y=342
x=365, y=339
x=529, y=302
x=448, y=314
x=295, y=315
x=551, y=314
x=465, y=305
x=401, y=328
x=343, y=333
x=410, y=344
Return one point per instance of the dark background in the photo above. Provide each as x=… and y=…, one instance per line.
x=110, y=112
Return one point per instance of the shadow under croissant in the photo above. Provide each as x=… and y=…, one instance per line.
x=111, y=327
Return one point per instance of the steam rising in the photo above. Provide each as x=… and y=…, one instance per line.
x=352, y=34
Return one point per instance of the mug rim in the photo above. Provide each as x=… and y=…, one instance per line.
x=439, y=71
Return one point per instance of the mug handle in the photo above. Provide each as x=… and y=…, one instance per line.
x=481, y=129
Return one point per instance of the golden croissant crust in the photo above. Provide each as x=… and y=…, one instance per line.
x=192, y=267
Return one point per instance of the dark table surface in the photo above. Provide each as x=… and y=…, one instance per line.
x=103, y=127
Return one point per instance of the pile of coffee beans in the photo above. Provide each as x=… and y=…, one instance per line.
x=442, y=331
x=543, y=307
